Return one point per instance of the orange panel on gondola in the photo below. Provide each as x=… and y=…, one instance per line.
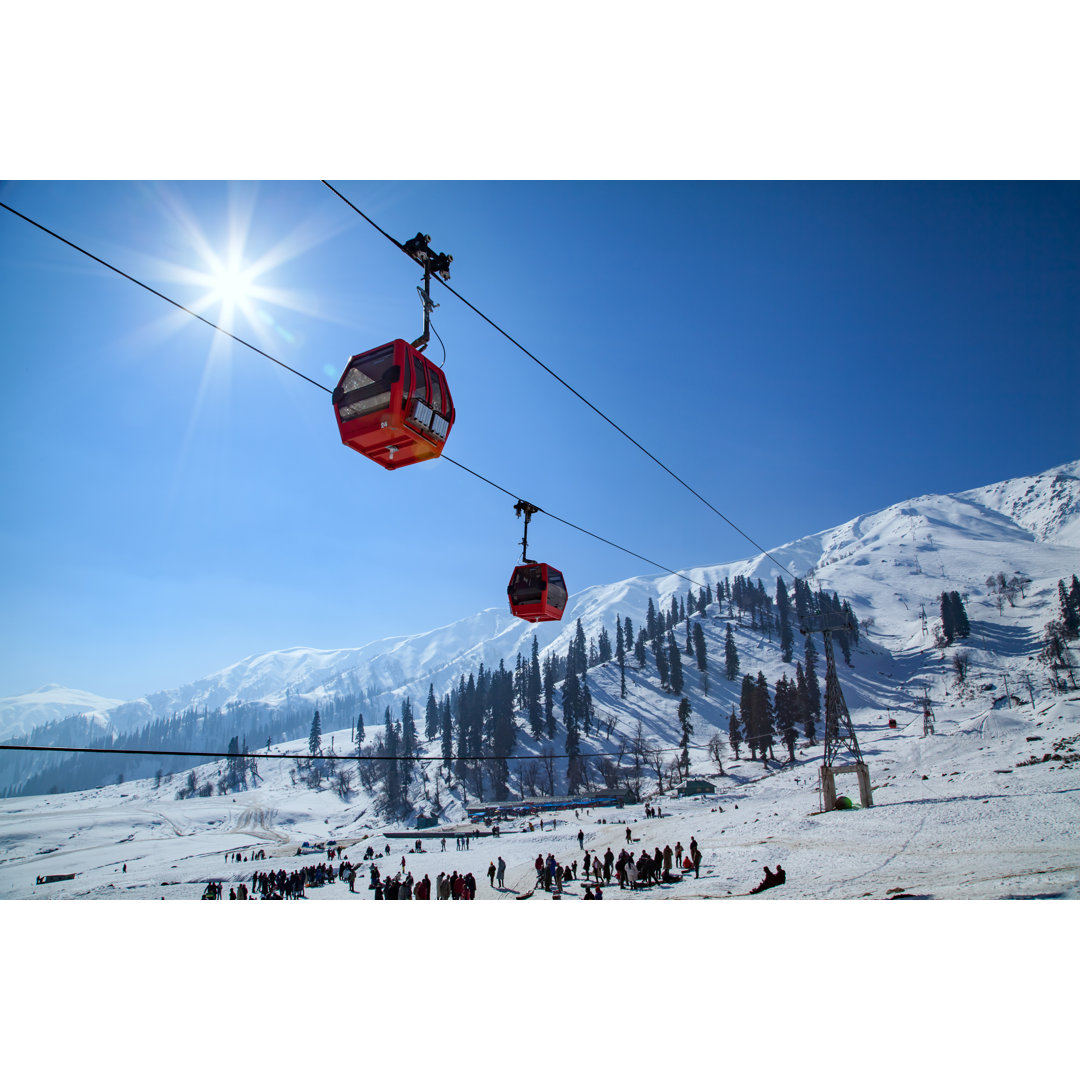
x=537, y=593
x=393, y=405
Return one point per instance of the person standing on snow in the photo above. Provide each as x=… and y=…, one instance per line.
x=491, y=874
x=500, y=873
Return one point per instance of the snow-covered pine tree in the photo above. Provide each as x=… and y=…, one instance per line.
x=1070, y=609
x=687, y=729
x=663, y=668
x=763, y=717
x=783, y=612
x=731, y=655
x=603, y=646
x=786, y=705
x=620, y=656
x=734, y=733
x=534, y=689
x=446, y=730
x=640, y=654
x=746, y=715
x=700, y=653
x=431, y=715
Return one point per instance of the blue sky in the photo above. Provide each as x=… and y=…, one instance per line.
x=798, y=352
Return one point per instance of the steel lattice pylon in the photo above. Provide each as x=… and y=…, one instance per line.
x=839, y=731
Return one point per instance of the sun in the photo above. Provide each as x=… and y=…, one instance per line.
x=232, y=288
x=230, y=279
x=232, y=284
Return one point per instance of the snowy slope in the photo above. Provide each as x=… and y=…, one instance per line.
x=984, y=807
x=956, y=815
x=891, y=564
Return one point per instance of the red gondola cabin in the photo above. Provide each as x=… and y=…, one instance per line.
x=393, y=405
x=537, y=593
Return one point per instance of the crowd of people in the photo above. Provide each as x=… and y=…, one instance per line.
x=403, y=886
x=659, y=866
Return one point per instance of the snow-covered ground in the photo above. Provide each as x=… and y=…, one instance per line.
x=956, y=815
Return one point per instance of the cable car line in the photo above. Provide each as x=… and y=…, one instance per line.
x=169, y=300
x=213, y=755
x=313, y=382
x=579, y=396
x=579, y=528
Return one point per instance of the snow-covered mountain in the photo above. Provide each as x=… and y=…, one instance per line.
x=975, y=807
x=891, y=564
x=20, y=714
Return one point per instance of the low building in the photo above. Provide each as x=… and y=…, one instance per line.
x=697, y=787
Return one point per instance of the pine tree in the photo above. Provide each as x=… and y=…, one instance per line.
x=813, y=689
x=734, y=734
x=746, y=715
x=802, y=694
x=731, y=656
x=446, y=730
x=315, y=737
x=948, y=626
x=687, y=729
x=585, y=706
x=763, y=717
x=573, y=743
x=549, y=696
x=699, y=648
x=963, y=627
x=1070, y=616
x=650, y=621
x=620, y=656
x=571, y=698
x=639, y=650
x=408, y=730
x=577, y=659
x=663, y=668
x=431, y=714
x=392, y=779
x=534, y=690
x=675, y=672
x=603, y=646
x=503, y=729
x=787, y=713
x=360, y=729
x=783, y=610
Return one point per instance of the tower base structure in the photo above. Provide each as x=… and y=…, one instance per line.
x=827, y=775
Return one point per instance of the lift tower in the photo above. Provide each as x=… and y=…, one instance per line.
x=839, y=733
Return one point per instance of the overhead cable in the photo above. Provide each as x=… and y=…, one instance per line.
x=247, y=344
x=581, y=397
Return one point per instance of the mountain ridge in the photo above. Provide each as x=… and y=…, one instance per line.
x=1033, y=519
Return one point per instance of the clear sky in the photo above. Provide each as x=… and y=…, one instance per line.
x=797, y=352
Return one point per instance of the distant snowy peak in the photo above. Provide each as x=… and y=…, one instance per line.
x=1046, y=505
x=21, y=714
